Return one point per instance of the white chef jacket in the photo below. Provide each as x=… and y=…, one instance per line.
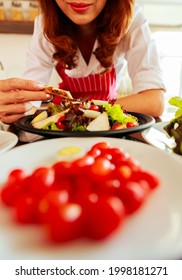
x=137, y=49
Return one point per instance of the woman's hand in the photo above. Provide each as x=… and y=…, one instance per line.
x=15, y=97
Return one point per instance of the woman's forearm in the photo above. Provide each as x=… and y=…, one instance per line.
x=150, y=102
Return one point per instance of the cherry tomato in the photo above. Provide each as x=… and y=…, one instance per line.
x=133, y=195
x=104, y=215
x=66, y=222
x=131, y=124
x=81, y=165
x=118, y=126
x=51, y=200
x=101, y=168
x=123, y=172
x=26, y=209
x=17, y=174
x=149, y=177
x=60, y=123
x=101, y=146
x=62, y=169
x=82, y=187
x=110, y=186
x=11, y=191
x=94, y=108
x=42, y=180
x=117, y=154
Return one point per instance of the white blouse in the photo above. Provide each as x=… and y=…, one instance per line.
x=137, y=49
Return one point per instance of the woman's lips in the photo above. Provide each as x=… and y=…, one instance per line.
x=79, y=7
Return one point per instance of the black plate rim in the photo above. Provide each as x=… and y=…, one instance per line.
x=148, y=122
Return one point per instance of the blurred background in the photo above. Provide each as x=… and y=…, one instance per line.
x=164, y=17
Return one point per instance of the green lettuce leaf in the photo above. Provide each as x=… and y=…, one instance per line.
x=116, y=114
x=177, y=102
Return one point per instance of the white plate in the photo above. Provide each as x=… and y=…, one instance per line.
x=149, y=135
x=154, y=232
x=7, y=141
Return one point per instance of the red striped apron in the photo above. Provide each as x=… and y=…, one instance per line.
x=96, y=86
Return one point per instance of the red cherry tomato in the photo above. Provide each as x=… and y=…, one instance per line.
x=149, y=177
x=62, y=169
x=97, y=148
x=131, y=124
x=104, y=215
x=101, y=146
x=117, y=155
x=81, y=165
x=110, y=186
x=11, y=191
x=17, y=174
x=118, y=126
x=26, y=209
x=133, y=195
x=82, y=187
x=52, y=200
x=94, y=108
x=66, y=222
x=42, y=180
x=101, y=168
x=60, y=123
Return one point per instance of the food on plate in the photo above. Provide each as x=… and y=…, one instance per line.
x=88, y=197
x=70, y=153
x=84, y=115
x=174, y=127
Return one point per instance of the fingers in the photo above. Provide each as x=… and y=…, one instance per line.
x=22, y=96
x=10, y=118
x=17, y=83
x=15, y=111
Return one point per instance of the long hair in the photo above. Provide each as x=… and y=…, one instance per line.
x=112, y=24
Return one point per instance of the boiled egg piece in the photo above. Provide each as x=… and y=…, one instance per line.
x=70, y=153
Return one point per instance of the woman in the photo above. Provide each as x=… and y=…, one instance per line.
x=89, y=43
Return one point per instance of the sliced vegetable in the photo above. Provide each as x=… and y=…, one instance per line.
x=43, y=115
x=101, y=123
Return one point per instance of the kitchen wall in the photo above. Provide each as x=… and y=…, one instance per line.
x=163, y=13
x=13, y=49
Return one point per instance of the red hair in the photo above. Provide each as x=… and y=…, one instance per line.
x=112, y=24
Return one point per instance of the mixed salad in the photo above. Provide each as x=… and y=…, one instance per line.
x=84, y=115
x=174, y=127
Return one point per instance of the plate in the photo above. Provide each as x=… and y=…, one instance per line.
x=153, y=232
x=157, y=136
x=7, y=141
x=145, y=122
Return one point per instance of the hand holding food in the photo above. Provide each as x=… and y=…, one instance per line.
x=15, y=97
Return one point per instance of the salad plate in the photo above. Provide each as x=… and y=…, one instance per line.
x=157, y=136
x=145, y=121
x=7, y=141
x=151, y=233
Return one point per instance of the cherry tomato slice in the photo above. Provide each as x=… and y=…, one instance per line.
x=131, y=124
x=94, y=108
x=60, y=123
